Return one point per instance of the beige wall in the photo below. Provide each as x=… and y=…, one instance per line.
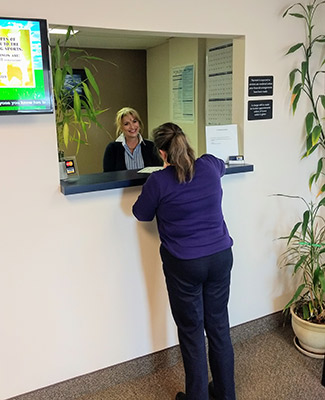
x=161, y=61
x=158, y=85
x=81, y=286
x=184, y=51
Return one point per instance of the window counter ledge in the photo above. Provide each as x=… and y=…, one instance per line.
x=122, y=179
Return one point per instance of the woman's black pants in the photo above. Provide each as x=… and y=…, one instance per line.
x=198, y=291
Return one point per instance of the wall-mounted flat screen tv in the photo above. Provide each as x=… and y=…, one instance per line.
x=25, y=83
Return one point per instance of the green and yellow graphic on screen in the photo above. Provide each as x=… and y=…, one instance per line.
x=24, y=66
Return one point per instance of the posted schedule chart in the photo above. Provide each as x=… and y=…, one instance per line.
x=219, y=85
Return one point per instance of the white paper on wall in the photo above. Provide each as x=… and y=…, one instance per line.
x=222, y=141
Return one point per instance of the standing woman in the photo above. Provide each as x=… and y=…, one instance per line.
x=130, y=150
x=197, y=259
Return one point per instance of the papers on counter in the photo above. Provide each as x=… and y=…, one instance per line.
x=149, y=170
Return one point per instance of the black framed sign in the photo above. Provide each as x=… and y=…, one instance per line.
x=260, y=86
x=260, y=109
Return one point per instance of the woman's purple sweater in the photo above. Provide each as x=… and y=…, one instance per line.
x=189, y=215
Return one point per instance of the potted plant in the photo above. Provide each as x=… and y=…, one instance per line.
x=74, y=113
x=305, y=254
x=306, y=240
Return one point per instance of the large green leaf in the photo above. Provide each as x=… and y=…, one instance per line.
x=66, y=134
x=297, y=88
x=316, y=134
x=78, y=142
x=77, y=105
x=66, y=56
x=322, y=99
x=300, y=262
x=309, y=142
x=70, y=31
x=316, y=276
x=297, y=15
x=58, y=81
x=305, y=312
x=92, y=80
x=304, y=226
x=309, y=122
x=296, y=95
x=321, y=203
x=322, y=189
x=293, y=231
x=321, y=278
x=292, y=77
x=310, y=150
x=94, y=58
x=304, y=67
x=88, y=95
x=294, y=48
x=287, y=10
x=295, y=296
x=314, y=177
x=311, y=180
x=320, y=39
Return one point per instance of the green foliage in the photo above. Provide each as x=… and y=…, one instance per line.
x=306, y=241
x=74, y=114
x=305, y=80
x=305, y=254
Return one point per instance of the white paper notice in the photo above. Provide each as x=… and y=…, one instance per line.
x=222, y=141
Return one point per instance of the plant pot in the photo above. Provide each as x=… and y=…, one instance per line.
x=311, y=336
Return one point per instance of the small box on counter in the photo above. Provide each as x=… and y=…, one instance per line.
x=239, y=159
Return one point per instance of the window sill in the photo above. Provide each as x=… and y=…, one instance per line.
x=122, y=179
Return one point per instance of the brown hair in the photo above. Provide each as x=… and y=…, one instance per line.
x=122, y=113
x=170, y=138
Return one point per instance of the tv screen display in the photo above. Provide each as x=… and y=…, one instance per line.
x=25, y=83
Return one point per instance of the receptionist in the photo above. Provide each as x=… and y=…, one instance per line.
x=130, y=150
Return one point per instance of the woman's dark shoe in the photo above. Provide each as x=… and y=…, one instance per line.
x=180, y=396
x=211, y=391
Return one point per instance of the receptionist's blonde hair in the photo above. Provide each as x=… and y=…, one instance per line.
x=124, y=112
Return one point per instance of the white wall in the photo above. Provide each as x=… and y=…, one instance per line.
x=87, y=293
x=158, y=83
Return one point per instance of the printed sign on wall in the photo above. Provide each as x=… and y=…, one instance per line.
x=260, y=109
x=260, y=85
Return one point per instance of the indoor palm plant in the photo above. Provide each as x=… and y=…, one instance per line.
x=74, y=113
x=305, y=79
x=305, y=253
x=306, y=240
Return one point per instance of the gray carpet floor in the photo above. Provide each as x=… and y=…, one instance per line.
x=267, y=367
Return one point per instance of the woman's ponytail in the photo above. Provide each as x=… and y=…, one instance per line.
x=170, y=138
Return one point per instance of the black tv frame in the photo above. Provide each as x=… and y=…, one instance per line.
x=48, y=92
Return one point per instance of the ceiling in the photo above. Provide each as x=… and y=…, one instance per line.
x=110, y=39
